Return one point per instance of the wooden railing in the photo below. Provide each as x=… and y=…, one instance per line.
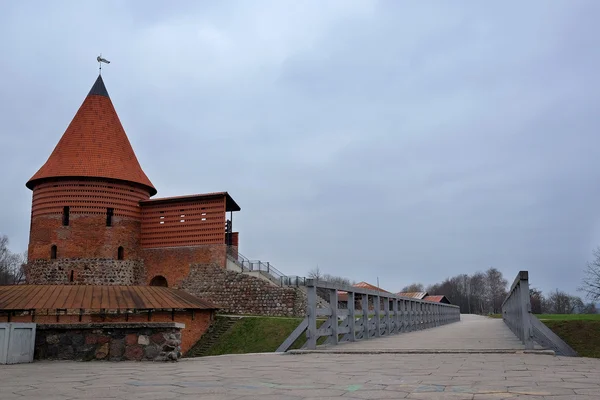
x=516, y=313
x=361, y=314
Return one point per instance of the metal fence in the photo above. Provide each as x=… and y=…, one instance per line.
x=265, y=268
x=368, y=314
x=516, y=309
x=516, y=313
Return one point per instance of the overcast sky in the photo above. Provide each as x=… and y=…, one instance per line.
x=409, y=141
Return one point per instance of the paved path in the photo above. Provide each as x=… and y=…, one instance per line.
x=473, y=333
x=312, y=376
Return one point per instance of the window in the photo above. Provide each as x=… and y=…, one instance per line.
x=66, y=210
x=109, y=215
x=53, y=251
x=120, y=253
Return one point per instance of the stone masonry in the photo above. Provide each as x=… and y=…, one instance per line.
x=236, y=293
x=86, y=272
x=109, y=341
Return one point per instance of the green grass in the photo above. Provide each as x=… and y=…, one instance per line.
x=568, y=317
x=580, y=331
x=258, y=335
x=561, y=317
x=582, y=335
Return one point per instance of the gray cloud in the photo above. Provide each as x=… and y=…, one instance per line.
x=397, y=140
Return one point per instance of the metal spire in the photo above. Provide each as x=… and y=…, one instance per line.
x=100, y=61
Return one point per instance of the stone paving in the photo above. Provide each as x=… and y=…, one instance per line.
x=312, y=376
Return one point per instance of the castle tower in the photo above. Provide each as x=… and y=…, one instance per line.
x=86, y=214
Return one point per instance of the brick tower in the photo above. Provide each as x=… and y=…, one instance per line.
x=86, y=215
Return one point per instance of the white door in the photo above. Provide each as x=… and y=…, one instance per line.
x=21, y=343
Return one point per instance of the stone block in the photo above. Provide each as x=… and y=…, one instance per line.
x=131, y=339
x=117, y=348
x=143, y=340
x=134, y=353
x=103, y=339
x=91, y=339
x=158, y=338
x=102, y=352
x=52, y=339
x=151, y=352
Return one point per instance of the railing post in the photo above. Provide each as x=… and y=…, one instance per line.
x=386, y=311
x=351, y=318
x=525, y=310
x=377, y=305
x=333, y=304
x=311, y=313
x=396, y=316
x=365, y=307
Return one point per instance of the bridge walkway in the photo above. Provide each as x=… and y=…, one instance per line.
x=473, y=334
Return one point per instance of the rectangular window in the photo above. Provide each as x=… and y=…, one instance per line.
x=109, y=215
x=66, y=216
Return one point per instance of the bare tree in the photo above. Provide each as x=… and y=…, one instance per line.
x=537, y=300
x=315, y=274
x=589, y=308
x=496, y=289
x=560, y=302
x=478, y=293
x=591, y=280
x=12, y=266
x=414, y=287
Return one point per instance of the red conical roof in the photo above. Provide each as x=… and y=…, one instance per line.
x=94, y=145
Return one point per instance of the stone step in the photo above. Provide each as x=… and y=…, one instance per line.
x=220, y=326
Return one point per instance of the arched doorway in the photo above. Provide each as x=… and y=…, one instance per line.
x=159, y=280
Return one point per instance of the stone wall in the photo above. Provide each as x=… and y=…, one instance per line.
x=86, y=272
x=150, y=341
x=237, y=293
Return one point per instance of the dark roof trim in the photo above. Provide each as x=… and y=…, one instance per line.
x=99, y=89
x=230, y=204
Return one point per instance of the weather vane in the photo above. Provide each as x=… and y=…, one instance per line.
x=100, y=61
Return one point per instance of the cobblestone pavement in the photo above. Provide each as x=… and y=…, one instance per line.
x=312, y=376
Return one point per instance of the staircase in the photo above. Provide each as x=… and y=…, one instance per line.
x=219, y=327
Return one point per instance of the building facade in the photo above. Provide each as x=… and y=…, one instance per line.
x=94, y=221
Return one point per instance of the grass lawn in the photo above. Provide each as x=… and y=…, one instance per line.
x=582, y=335
x=580, y=331
x=258, y=335
x=568, y=317
x=560, y=317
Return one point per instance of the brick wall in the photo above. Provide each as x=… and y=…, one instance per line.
x=86, y=235
x=183, y=222
x=173, y=263
x=86, y=272
x=196, y=322
x=236, y=293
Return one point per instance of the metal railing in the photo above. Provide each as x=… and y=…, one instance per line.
x=264, y=268
x=516, y=313
x=516, y=309
x=369, y=314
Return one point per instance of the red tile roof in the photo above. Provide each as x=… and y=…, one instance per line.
x=51, y=297
x=94, y=145
x=437, y=299
x=365, y=285
x=413, y=295
x=343, y=295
